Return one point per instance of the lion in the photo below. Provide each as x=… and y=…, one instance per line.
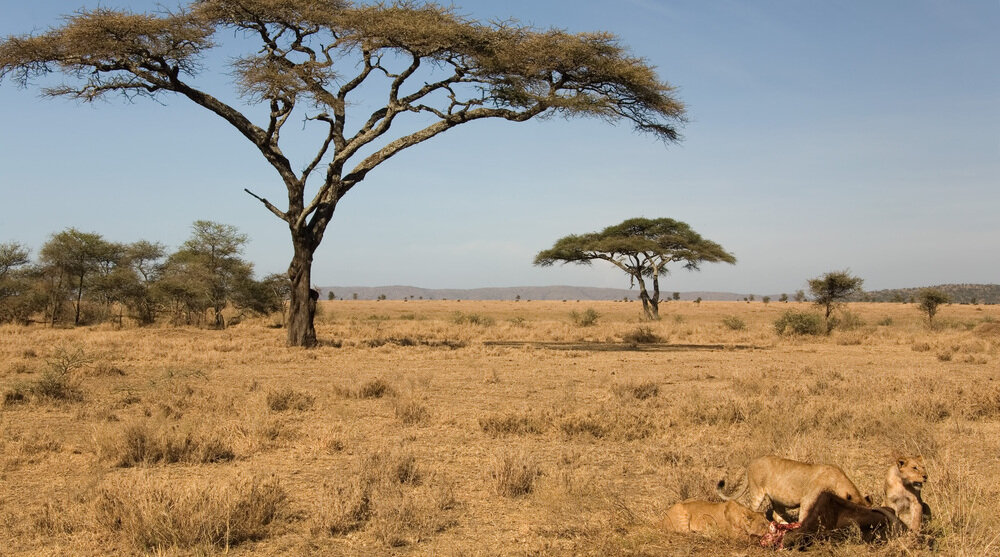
x=728, y=518
x=779, y=485
x=903, y=483
x=832, y=516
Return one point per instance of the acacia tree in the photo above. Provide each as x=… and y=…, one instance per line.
x=928, y=300
x=641, y=247
x=316, y=58
x=831, y=289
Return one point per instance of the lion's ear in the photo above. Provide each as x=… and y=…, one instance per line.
x=900, y=462
x=868, y=499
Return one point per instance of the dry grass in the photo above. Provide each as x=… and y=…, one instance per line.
x=408, y=434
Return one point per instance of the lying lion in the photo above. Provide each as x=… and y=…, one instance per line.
x=832, y=516
x=902, y=491
x=781, y=485
x=729, y=519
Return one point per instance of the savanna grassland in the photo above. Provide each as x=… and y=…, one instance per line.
x=464, y=428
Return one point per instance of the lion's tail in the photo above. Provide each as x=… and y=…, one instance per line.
x=721, y=486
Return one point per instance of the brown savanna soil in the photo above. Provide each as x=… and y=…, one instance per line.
x=411, y=431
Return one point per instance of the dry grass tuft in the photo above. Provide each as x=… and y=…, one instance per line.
x=514, y=423
x=289, y=399
x=642, y=334
x=514, y=473
x=159, y=514
x=146, y=442
x=641, y=391
x=376, y=388
x=411, y=411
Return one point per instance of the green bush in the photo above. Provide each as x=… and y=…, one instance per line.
x=586, y=318
x=734, y=323
x=800, y=323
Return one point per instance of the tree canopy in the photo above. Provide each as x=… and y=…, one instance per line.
x=643, y=248
x=316, y=58
x=831, y=289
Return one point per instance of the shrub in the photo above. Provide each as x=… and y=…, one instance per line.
x=141, y=443
x=847, y=321
x=289, y=399
x=641, y=335
x=800, y=323
x=586, y=318
x=734, y=323
x=56, y=385
x=158, y=514
x=885, y=322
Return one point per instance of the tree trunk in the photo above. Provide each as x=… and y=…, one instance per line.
x=655, y=300
x=79, y=298
x=302, y=302
x=649, y=305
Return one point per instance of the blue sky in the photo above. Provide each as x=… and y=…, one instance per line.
x=822, y=136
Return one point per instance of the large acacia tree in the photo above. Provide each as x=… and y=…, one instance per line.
x=432, y=69
x=643, y=248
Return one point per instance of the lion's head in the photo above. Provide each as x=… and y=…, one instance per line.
x=911, y=470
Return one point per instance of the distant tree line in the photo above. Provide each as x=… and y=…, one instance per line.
x=80, y=278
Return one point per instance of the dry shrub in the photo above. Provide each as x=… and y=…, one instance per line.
x=105, y=369
x=612, y=423
x=512, y=423
x=586, y=318
x=20, y=368
x=390, y=467
x=800, y=323
x=289, y=399
x=641, y=335
x=411, y=411
x=158, y=514
x=514, y=473
x=147, y=442
x=988, y=329
x=460, y=318
x=945, y=355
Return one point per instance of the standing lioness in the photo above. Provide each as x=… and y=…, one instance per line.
x=780, y=485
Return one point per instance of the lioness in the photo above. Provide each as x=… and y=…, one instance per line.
x=780, y=485
x=902, y=491
x=728, y=518
x=832, y=515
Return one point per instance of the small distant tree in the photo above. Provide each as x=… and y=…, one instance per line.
x=751, y=298
x=783, y=298
x=766, y=299
x=643, y=248
x=18, y=298
x=928, y=300
x=676, y=296
x=831, y=290
x=800, y=296
x=897, y=297
x=354, y=296
x=331, y=296
x=698, y=300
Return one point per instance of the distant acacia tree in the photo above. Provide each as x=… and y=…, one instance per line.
x=72, y=259
x=800, y=295
x=928, y=300
x=783, y=297
x=323, y=62
x=676, y=296
x=643, y=248
x=831, y=289
x=766, y=299
x=18, y=298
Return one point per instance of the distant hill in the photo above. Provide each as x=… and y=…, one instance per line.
x=959, y=293
x=507, y=293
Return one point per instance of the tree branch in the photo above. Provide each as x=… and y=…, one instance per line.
x=270, y=207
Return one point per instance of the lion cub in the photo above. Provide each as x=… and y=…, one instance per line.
x=902, y=491
x=728, y=519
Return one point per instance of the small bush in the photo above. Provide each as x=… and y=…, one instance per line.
x=586, y=318
x=734, y=323
x=641, y=335
x=885, y=322
x=800, y=323
x=847, y=321
x=55, y=384
x=289, y=399
x=513, y=474
x=920, y=347
x=945, y=355
x=15, y=395
x=159, y=514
